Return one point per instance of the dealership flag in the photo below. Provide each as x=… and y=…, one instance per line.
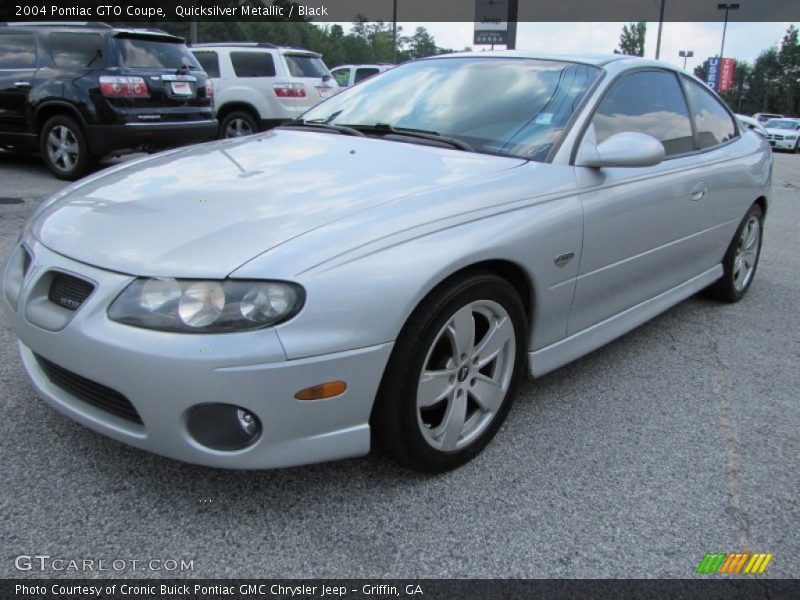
x=726, y=74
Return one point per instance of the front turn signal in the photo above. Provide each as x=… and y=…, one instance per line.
x=322, y=391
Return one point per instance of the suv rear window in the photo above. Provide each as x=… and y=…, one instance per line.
x=253, y=64
x=17, y=51
x=209, y=61
x=302, y=65
x=76, y=50
x=145, y=53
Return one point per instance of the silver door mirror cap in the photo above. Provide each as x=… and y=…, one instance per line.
x=627, y=149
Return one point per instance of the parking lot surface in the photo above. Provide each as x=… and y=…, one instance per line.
x=678, y=439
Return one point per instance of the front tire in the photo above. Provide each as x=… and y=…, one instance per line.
x=64, y=148
x=741, y=258
x=452, y=376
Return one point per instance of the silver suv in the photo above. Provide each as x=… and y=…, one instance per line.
x=258, y=85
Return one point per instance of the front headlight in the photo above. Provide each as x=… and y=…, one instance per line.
x=191, y=306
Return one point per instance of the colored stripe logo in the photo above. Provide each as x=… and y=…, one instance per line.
x=732, y=563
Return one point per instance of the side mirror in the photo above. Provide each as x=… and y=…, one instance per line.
x=628, y=149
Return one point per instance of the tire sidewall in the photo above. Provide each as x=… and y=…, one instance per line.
x=82, y=164
x=488, y=287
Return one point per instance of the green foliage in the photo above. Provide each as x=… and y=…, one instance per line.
x=366, y=42
x=631, y=41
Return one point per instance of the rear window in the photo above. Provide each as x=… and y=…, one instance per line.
x=301, y=65
x=209, y=61
x=253, y=64
x=76, y=50
x=365, y=73
x=140, y=53
x=17, y=51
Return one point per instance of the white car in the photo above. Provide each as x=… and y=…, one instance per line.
x=752, y=124
x=783, y=134
x=349, y=75
x=258, y=86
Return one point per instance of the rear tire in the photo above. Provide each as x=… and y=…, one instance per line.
x=452, y=376
x=237, y=124
x=64, y=148
x=741, y=259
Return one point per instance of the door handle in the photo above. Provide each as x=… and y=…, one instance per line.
x=22, y=84
x=699, y=191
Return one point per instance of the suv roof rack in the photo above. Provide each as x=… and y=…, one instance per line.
x=86, y=24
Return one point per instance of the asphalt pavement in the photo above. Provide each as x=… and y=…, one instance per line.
x=678, y=439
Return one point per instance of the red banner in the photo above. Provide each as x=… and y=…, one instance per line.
x=726, y=74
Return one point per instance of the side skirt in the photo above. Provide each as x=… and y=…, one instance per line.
x=565, y=351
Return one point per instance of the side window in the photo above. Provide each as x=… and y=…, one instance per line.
x=253, y=64
x=17, y=51
x=209, y=61
x=76, y=50
x=365, y=73
x=342, y=77
x=713, y=123
x=648, y=102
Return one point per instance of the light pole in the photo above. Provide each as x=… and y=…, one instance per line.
x=394, y=32
x=660, y=27
x=726, y=7
x=684, y=54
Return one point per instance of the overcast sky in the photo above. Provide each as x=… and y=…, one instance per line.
x=743, y=40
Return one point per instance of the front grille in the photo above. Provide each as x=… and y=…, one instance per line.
x=69, y=291
x=89, y=391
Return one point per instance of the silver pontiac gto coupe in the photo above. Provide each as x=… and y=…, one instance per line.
x=382, y=271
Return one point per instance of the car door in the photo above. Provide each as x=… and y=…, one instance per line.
x=17, y=72
x=640, y=224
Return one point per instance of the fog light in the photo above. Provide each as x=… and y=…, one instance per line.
x=223, y=426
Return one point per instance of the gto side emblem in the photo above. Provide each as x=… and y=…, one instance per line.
x=562, y=259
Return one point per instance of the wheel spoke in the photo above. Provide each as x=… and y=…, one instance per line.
x=487, y=393
x=52, y=138
x=750, y=258
x=454, y=422
x=462, y=333
x=494, y=341
x=434, y=386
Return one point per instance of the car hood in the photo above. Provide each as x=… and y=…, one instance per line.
x=777, y=131
x=205, y=210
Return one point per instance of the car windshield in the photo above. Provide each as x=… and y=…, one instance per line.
x=782, y=124
x=155, y=54
x=508, y=106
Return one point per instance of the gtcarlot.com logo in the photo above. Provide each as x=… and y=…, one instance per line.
x=45, y=562
x=733, y=563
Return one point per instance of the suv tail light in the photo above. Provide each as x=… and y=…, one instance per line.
x=290, y=90
x=124, y=87
x=209, y=89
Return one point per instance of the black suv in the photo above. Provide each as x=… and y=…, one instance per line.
x=77, y=92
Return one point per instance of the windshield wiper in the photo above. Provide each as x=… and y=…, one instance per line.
x=417, y=133
x=325, y=126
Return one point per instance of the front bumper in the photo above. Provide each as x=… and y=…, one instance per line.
x=165, y=375
x=130, y=136
x=783, y=144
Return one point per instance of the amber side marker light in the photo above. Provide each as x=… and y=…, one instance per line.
x=321, y=391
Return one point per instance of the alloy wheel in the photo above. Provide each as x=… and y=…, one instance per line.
x=62, y=148
x=238, y=128
x=466, y=375
x=744, y=262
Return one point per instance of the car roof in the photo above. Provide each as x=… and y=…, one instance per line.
x=363, y=65
x=587, y=58
x=256, y=46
